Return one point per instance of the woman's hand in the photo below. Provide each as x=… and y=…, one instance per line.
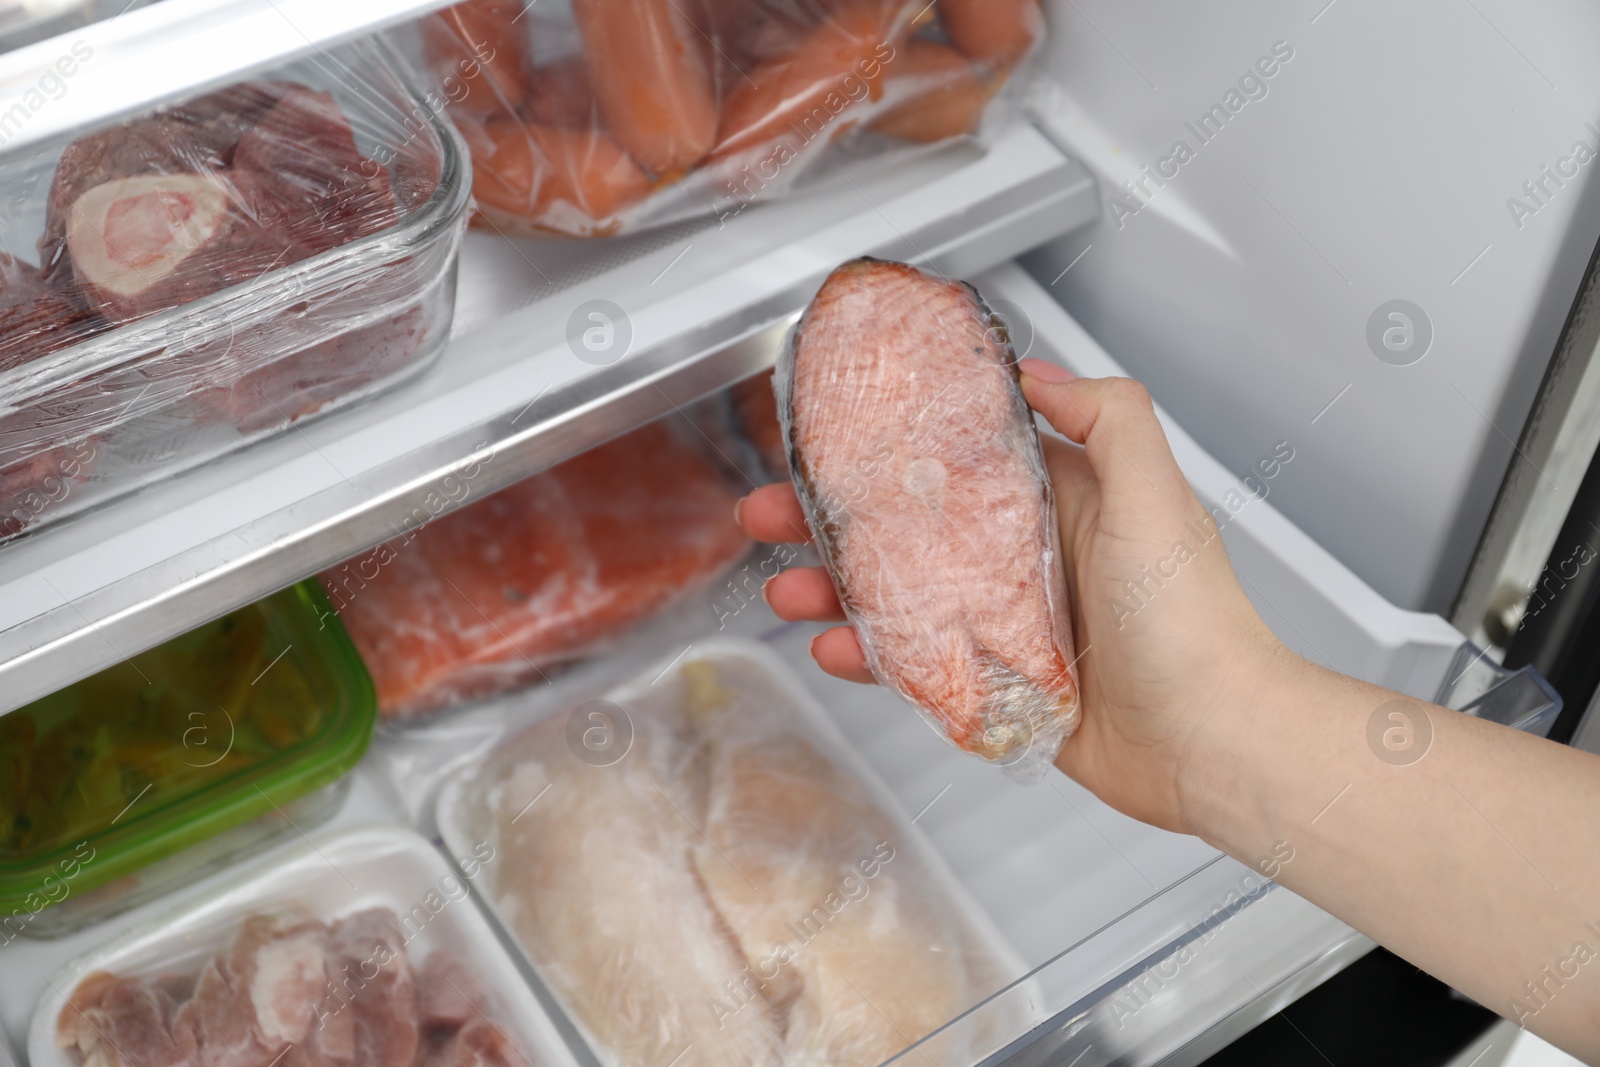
x=1166, y=639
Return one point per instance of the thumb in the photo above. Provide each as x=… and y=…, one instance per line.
x=1113, y=419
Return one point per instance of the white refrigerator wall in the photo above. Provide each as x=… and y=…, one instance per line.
x=1382, y=159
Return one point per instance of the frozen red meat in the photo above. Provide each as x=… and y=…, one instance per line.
x=484, y=599
x=163, y=210
x=37, y=317
x=301, y=175
x=291, y=990
x=920, y=471
x=160, y=211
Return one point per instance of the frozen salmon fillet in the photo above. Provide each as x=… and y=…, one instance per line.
x=484, y=599
x=920, y=471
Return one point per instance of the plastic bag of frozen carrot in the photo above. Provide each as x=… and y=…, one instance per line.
x=605, y=116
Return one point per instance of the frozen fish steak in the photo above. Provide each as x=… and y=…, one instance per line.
x=920, y=472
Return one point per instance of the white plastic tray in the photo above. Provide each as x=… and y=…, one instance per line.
x=1006, y=1009
x=377, y=866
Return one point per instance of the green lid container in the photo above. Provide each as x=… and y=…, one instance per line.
x=176, y=760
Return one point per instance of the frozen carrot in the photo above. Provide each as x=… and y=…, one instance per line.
x=562, y=94
x=993, y=31
x=942, y=94
x=532, y=177
x=795, y=99
x=479, y=49
x=652, y=81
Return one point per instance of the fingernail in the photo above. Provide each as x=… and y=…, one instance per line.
x=738, y=508
x=1045, y=371
x=811, y=646
x=766, y=585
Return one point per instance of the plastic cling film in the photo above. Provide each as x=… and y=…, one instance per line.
x=549, y=570
x=377, y=957
x=735, y=882
x=216, y=269
x=920, y=472
x=607, y=116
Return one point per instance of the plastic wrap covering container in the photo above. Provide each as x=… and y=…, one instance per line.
x=358, y=947
x=608, y=116
x=697, y=858
x=553, y=569
x=176, y=761
x=216, y=270
x=23, y=22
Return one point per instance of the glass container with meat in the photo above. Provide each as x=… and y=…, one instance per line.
x=187, y=281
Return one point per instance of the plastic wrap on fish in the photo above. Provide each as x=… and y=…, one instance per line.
x=214, y=269
x=546, y=571
x=726, y=887
x=920, y=471
x=755, y=413
x=294, y=990
x=604, y=116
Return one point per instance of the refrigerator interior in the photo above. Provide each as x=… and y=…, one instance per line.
x=1089, y=899
x=1252, y=334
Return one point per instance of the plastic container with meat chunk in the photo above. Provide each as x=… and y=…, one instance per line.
x=177, y=761
x=608, y=116
x=360, y=947
x=179, y=284
x=696, y=857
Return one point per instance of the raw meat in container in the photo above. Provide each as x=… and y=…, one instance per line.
x=37, y=317
x=920, y=472
x=215, y=269
x=546, y=571
x=291, y=989
x=595, y=881
x=785, y=835
x=723, y=887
